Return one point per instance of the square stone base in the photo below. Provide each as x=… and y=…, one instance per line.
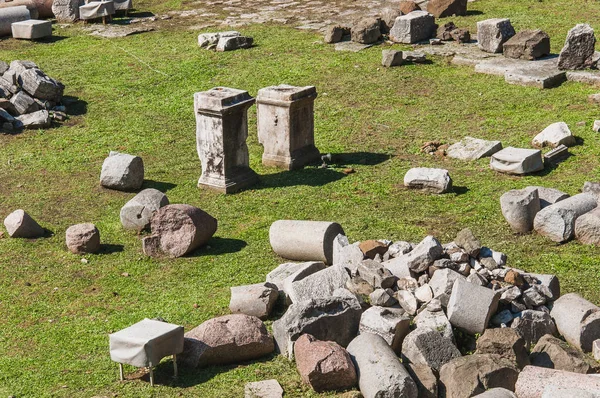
x=242, y=179
x=31, y=29
x=297, y=159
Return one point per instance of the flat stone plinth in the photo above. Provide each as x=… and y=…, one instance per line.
x=285, y=119
x=31, y=29
x=517, y=161
x=221, y=133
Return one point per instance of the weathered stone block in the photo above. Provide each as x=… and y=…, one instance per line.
x=31, y=29
x=527, y=44
x=471, y=307
x=413, y=27
x=519, y=208
x=137, y=213
x=554, y=135
x=493, y=33
x=517, y=161
x=557, y=221
x=428, y=179
x=473, y=148
x=122, y=172
x=577, y=320
x=578, y=51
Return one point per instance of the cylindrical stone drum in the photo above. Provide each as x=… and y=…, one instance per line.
x=304, y=240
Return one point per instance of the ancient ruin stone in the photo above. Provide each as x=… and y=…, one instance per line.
x=551, y=352
x=320, y=284
x=447, y=8
x=425, y=346
x=532, y=325
x=428, y=179
x=493, y=33
x=391, y=58
x=324, y=365
x=333, y=34
x=390, y=323
x=19, y=224
x=473, y=148
x=226, y=339
x=517, y=161
x=256, y=300
x=83, y=238
x=366, y=31
x=579, y=48
x=577, y=320
x=471, y=307
x=66, y=10
x=122, y=172
x=557, y=221
x=527, y=44
x=263, y=389
x=505, y=342
x=408, y=6
x=178, y=230
x=413, y=28
x=425, y=379
x=40, y=85
x=137, y=213
x=587, y=227
x=554, y=135
x=533, y=381
x=519, y=208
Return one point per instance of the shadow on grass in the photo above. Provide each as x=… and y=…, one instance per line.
x=74, y=105
x=218, y=246
x=107, y=248
x=474, y=12
x=366, y=158
x=459, y=190
x=314, y=177
x=50, y=39
x=159, y=185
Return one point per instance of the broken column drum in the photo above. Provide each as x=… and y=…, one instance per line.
x=285, y=119
x=221, y=133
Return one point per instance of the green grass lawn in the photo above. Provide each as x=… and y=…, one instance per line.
x=135, y=95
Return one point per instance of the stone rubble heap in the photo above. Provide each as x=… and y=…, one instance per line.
x=349, y=322
x=29, y=99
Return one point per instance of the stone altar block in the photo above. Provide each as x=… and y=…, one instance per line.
x=285, y=119
x=221, y=132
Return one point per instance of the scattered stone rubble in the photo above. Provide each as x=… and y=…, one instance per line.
x=224, y=41
x=439, y=297
x=29, y=99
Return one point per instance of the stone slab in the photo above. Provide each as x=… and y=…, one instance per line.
x=473, y=148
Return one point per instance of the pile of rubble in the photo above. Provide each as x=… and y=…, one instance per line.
x=348, y=323
x=29, y=99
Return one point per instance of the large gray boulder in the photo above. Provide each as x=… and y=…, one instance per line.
x=9, y=15
x=226, y=339
x=178, y=230
x=425, y=378
x=41, y=86
x=493, y=33
x=557, y=221
x=321, y=284
x=519, y=208
x=19, y=224
x=389, y=323
x=332, y=319
x=578, y=51
x=532, y=325
x=428, y=180
x=36, y=120
x=577, y=320
x=137, y=213
x=122, y=172
x=376, y=274
x=425, y=346
x=471, y=307
x=380, y=373
x=447, y=8
x=413, y=27
x=587, y=227
x=474, y=374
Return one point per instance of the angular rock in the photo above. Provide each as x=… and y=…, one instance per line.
x=532, y=325
x=285, y=274
x=389, y=323
x=19, y=224
x=226, y=339
x=493, y=33
x=263, y=389
x=372, y=248
x=304, y=240
x=83, y=238
x=333, y=34
x=320, y=284
x=41, y=86
x=557, y=221
x=505, y=342
x=417, y=260
x=380, y=373
x=178, y=230
x=383, y=298
x=447, y=8
x=473, y=148
x=428, y=179
x=36, y=120
x=556, y=155
x=553, y=353
x=442, y=283
x=554, y=135
x=324, y=365
x=255, y=300
x=435, y=320
x=577, y=320
x=65, y=10
x=22, y=103
x=424, y=293
x=413, y=28
x=587, y=227
x=234, y=43
x=375, y=274
x=527, y=44
x=468, y=242
x=407, y=301
x=533, y=381
x=549, y=284
x=497, y=393
x=398, y=248
x=473, y=374
x=137, y=213
x=533, y=297
x=122, y=172
x=211, y=39
x=596, y=349
x=549, y=196
x=416, y=57
x=502, y=318
x=331, y=319
x=408, y=6
x=349, y=257
x=517, y=161
x=519, y=208
x=366, y=31
x=593, y=188
x=425, y=346
x=578, y=50
x=444, y=31
x=391, y=58
x=425, y=379
x=470, y=307
x=388, y=17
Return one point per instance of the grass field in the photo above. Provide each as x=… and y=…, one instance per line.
x=135, y=95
